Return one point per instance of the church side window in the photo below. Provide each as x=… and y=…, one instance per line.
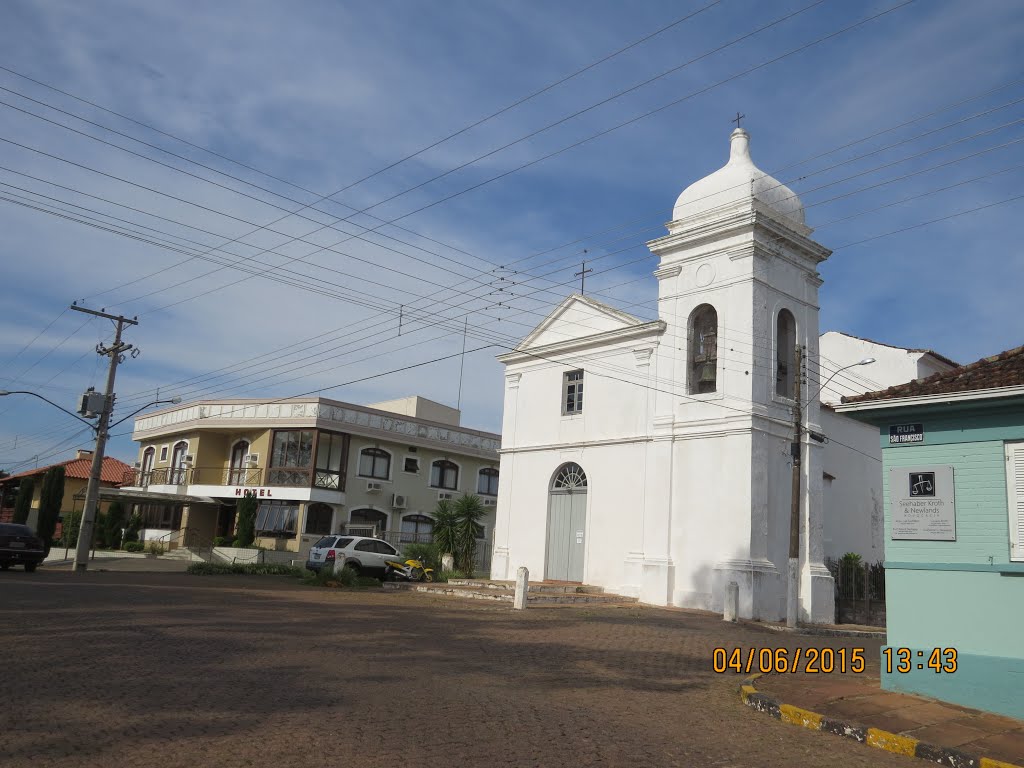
x=572, y=392
x=703, y=350
x=785, y=352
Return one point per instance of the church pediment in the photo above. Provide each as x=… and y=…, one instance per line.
x=578, y=318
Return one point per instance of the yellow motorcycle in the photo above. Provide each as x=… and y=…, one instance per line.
x=410, y=570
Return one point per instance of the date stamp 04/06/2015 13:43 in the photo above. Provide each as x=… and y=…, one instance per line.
x=827, y=660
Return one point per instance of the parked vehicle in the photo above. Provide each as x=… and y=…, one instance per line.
x=410, y=570
x=20, y=546
x=364, y=555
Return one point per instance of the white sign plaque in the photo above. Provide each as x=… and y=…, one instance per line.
x=921, y=503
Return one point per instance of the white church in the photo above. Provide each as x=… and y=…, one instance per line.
x=653, y=458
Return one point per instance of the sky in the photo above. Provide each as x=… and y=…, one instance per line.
x=313, y=196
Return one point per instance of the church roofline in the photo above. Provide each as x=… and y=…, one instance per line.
x=576, y=298
x=524, y=354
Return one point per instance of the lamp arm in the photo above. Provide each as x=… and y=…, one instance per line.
x=59, y=408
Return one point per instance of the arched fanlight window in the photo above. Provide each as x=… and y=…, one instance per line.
x=569, y=477
x=146, y=473
x=375, y=462
x=487, y=482
x=417, y=528
x=703, y=350
x=361, y=518
x=785, y=353
x=444, y=474
x=177, y=469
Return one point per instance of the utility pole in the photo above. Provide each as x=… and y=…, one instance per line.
x=793, y=575
x=115, y=352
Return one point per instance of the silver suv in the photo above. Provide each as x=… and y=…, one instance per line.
x=364, y=555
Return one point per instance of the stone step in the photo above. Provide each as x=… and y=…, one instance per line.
x=507, y=595
x=533, y=586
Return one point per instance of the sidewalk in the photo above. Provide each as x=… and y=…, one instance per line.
x=858, y=699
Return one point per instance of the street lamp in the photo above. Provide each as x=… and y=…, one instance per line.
x=796, y=450
x=93, y=487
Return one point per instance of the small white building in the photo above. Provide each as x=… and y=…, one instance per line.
x=653, y=458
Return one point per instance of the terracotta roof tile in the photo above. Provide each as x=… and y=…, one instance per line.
x=113, y=470
x=1003, y=370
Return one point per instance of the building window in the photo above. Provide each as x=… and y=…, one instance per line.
x=572, y=392
x=290, y=458
x=237, y=475
x=444, y=474
x=163, y=453
x=487, y=482
x=146, y=474
x=703, y=350
x=176, y=476
x=165, y=517
x=412, y=465
x=331, y=449
x=277, y=519
x=318, y=519
x=417, y=528
x=367, y=518
x=785, y=353
x=375, y=463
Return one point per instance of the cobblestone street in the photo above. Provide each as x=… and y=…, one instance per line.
x=133, y=669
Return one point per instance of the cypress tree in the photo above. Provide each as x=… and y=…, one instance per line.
x=50, y=499
x=113, y=523
x=23, y=504
x=247, y=521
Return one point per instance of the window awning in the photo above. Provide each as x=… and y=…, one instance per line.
x=124, y=494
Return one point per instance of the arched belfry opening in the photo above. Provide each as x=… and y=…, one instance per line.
x=785, y=353
x=567, y=524
x=703, y=350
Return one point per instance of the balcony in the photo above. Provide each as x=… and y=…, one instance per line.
x=247, y=477
x=250, y=476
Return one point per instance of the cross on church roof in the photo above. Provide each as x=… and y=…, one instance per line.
x=737, y=119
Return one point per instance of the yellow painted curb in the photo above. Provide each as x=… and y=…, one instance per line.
x=892, y=742
x=746, y=691
x=798, y=716
x=987, y=762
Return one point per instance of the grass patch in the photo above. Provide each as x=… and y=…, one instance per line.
x=326, y=577
x=256, y=569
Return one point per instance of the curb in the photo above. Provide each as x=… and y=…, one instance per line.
x=873, y=737
x=805, y=630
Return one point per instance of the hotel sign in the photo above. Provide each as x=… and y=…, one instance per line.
x=921, y=503
x=906, y=433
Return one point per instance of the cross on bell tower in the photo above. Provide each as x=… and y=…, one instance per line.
x=737, y=119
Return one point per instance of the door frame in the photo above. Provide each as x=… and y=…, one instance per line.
x=552, y=492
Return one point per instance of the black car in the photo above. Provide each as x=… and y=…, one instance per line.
x=20, y=546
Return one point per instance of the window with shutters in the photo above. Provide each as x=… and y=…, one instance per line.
x=1015, y=498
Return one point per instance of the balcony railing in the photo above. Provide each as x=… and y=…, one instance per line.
x=249, y=476
x=246, y=477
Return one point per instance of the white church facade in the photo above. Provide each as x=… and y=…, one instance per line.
x=653, y=458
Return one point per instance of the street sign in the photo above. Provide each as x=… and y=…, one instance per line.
x=906, y=433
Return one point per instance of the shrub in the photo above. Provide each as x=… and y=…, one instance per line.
x=246, y=521
x=134, y=546
x=446, y=528
x=218, y=541
x=132, y=528
x=72, y=524
x=113, y=523
x=23, y=504
x=469, y=510
x=237, y=543
x=156, y=548
x=256, y=569
x=428, y=554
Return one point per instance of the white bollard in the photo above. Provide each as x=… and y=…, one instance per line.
x=339, y=564
x=447, y=563
x=732, y=602
x=522, y=579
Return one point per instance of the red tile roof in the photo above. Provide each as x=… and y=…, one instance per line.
x=1003, y=370
x=113, y=472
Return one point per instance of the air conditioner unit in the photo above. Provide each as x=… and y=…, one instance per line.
x=252, y=459
x=490, y=502
x=398, y=501
x=445, y=496
x=189, y=458
x=372, y=486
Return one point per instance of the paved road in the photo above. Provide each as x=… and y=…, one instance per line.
x=126, y=564
x=131, y=669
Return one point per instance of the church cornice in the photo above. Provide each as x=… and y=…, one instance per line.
x=747, y=218
x=644, y=330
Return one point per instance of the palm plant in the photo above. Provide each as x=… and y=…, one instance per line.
x=469, y=510
x=446, y=528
